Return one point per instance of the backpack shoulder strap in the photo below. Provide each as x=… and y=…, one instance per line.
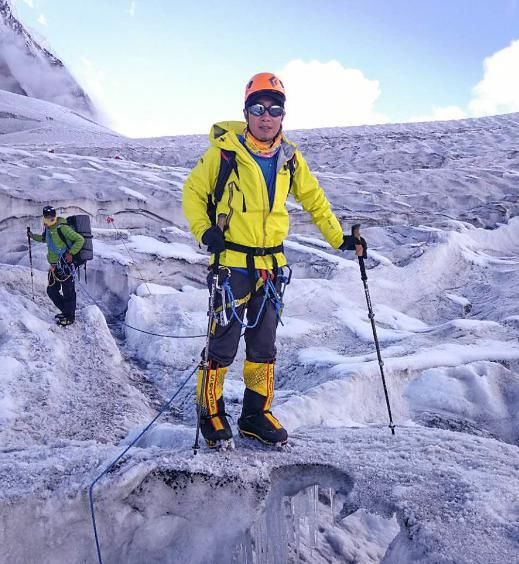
x=62, y=237
x=291, y=164
x=227, y=165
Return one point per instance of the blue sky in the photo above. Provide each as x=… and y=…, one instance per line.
x=165, y=67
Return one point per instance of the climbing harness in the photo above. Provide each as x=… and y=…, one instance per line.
x=266, y=280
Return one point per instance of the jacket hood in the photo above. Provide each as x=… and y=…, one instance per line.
x=224, y=135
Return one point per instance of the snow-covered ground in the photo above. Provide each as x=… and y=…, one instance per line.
x=439, y=205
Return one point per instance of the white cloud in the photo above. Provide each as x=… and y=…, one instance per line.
x=131, y=9
x=42, y=20
x=441, y=114
x=498, y=91
x=29, y=3
x=327, y=95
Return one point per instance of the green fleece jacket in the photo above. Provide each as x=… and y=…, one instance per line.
x=74, y=240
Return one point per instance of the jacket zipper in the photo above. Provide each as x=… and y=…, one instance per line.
x=229, y=201
x=265, y=204
x=244, y=205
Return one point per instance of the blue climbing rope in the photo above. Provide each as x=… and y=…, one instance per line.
x=94, y=301
x=112, y=464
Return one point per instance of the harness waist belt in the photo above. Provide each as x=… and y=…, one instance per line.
x=254, y=251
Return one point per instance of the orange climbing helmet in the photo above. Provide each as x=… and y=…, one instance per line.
x=264, y=83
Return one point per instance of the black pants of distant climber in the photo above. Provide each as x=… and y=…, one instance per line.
x=62, y=292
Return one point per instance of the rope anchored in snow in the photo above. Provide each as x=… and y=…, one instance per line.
x=111, y=221
x=116, y=460
x=95, y=302
x=161, y=334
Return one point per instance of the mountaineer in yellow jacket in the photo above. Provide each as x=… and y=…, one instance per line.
x=244, y=227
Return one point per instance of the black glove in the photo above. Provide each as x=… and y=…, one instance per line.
x=349, y=242
x=214, y=239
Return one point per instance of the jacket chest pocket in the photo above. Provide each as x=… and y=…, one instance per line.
x=242, y=200
x=282, y=185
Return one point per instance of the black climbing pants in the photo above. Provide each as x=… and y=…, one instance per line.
x=62, y=291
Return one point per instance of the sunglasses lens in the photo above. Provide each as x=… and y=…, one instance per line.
x=275, y=111
x=257, y=109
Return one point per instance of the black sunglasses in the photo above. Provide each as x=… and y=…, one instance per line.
x=259, y=109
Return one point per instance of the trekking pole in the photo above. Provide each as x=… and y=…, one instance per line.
x=205, y=360
x=30, y=260
x=359, y=250
x=210, y=314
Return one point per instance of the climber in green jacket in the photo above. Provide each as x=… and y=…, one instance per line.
x=63, y=244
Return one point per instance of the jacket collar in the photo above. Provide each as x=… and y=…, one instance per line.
x=224, y=135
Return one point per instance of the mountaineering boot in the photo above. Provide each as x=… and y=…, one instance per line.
x=59, y=316
x=213, y=421
x=257, y=421
x=215, y=428
x=64, y=321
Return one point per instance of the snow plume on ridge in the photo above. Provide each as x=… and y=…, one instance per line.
x=29, y=69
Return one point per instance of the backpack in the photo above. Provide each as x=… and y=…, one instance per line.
x=80, y=224
x=227, y=165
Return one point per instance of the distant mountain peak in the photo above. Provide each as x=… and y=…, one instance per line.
x=31, y=70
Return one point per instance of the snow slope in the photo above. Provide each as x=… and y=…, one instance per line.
x=30, y=69
x=438, y=203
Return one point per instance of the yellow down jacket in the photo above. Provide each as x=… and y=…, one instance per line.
x=245, y=202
